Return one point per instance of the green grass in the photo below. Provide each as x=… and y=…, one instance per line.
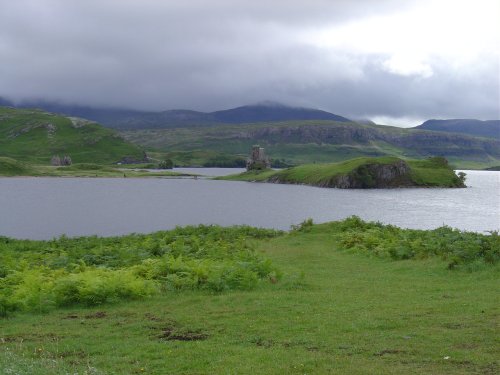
x=316, y=174
x=432, y=172
x=335, y=310
x=35, y=136
x=252, y=176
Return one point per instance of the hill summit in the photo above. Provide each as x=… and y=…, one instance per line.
x=272, y=111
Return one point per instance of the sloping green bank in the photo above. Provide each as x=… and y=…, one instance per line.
x=12, y=167
x=363, y=173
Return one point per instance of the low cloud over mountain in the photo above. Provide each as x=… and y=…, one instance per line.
x=363, y=59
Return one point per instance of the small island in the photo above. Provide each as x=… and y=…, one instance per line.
x=362, y=173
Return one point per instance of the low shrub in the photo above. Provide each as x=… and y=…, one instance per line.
x=166, y=164
x=457, y=248
x=305, y=226
x=42, y=275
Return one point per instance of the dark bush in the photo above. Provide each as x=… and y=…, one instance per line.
x=166, y=164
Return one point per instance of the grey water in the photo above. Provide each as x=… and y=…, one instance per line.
x=44, y=208
x=210, y=171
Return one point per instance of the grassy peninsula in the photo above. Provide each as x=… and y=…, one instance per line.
x=382, y=172
x=342, y=297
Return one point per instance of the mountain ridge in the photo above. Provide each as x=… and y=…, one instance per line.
x=478, y=128
x=322, y=141
x=129, y=119
x=260, y=112
x=265, y=112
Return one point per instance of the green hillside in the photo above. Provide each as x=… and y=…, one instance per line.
x=35, y=136
x=299, y=142
x=382, y=172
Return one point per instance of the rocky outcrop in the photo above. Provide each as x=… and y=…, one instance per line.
x=319, y=134
x=57, y=161
x=376, y=176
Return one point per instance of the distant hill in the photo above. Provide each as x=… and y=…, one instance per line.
x=5, y=103
x=162, y=120
x=258, y=113
x=269, y=112
x=126, y=119
x=476, y=128
x=35, y=136
x=292, y=135
x=309, y=141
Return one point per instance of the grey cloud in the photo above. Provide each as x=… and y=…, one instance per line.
x=209, y=55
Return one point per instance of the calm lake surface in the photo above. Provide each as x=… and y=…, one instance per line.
x=43, y=208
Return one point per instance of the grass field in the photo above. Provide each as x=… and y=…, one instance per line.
x=340, y=307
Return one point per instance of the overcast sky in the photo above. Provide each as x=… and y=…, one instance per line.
x=398, y=62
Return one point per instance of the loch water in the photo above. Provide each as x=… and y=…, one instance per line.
x=44, y=208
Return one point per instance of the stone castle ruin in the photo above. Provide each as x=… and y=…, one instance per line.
x=57, y=161
x=258, y=159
